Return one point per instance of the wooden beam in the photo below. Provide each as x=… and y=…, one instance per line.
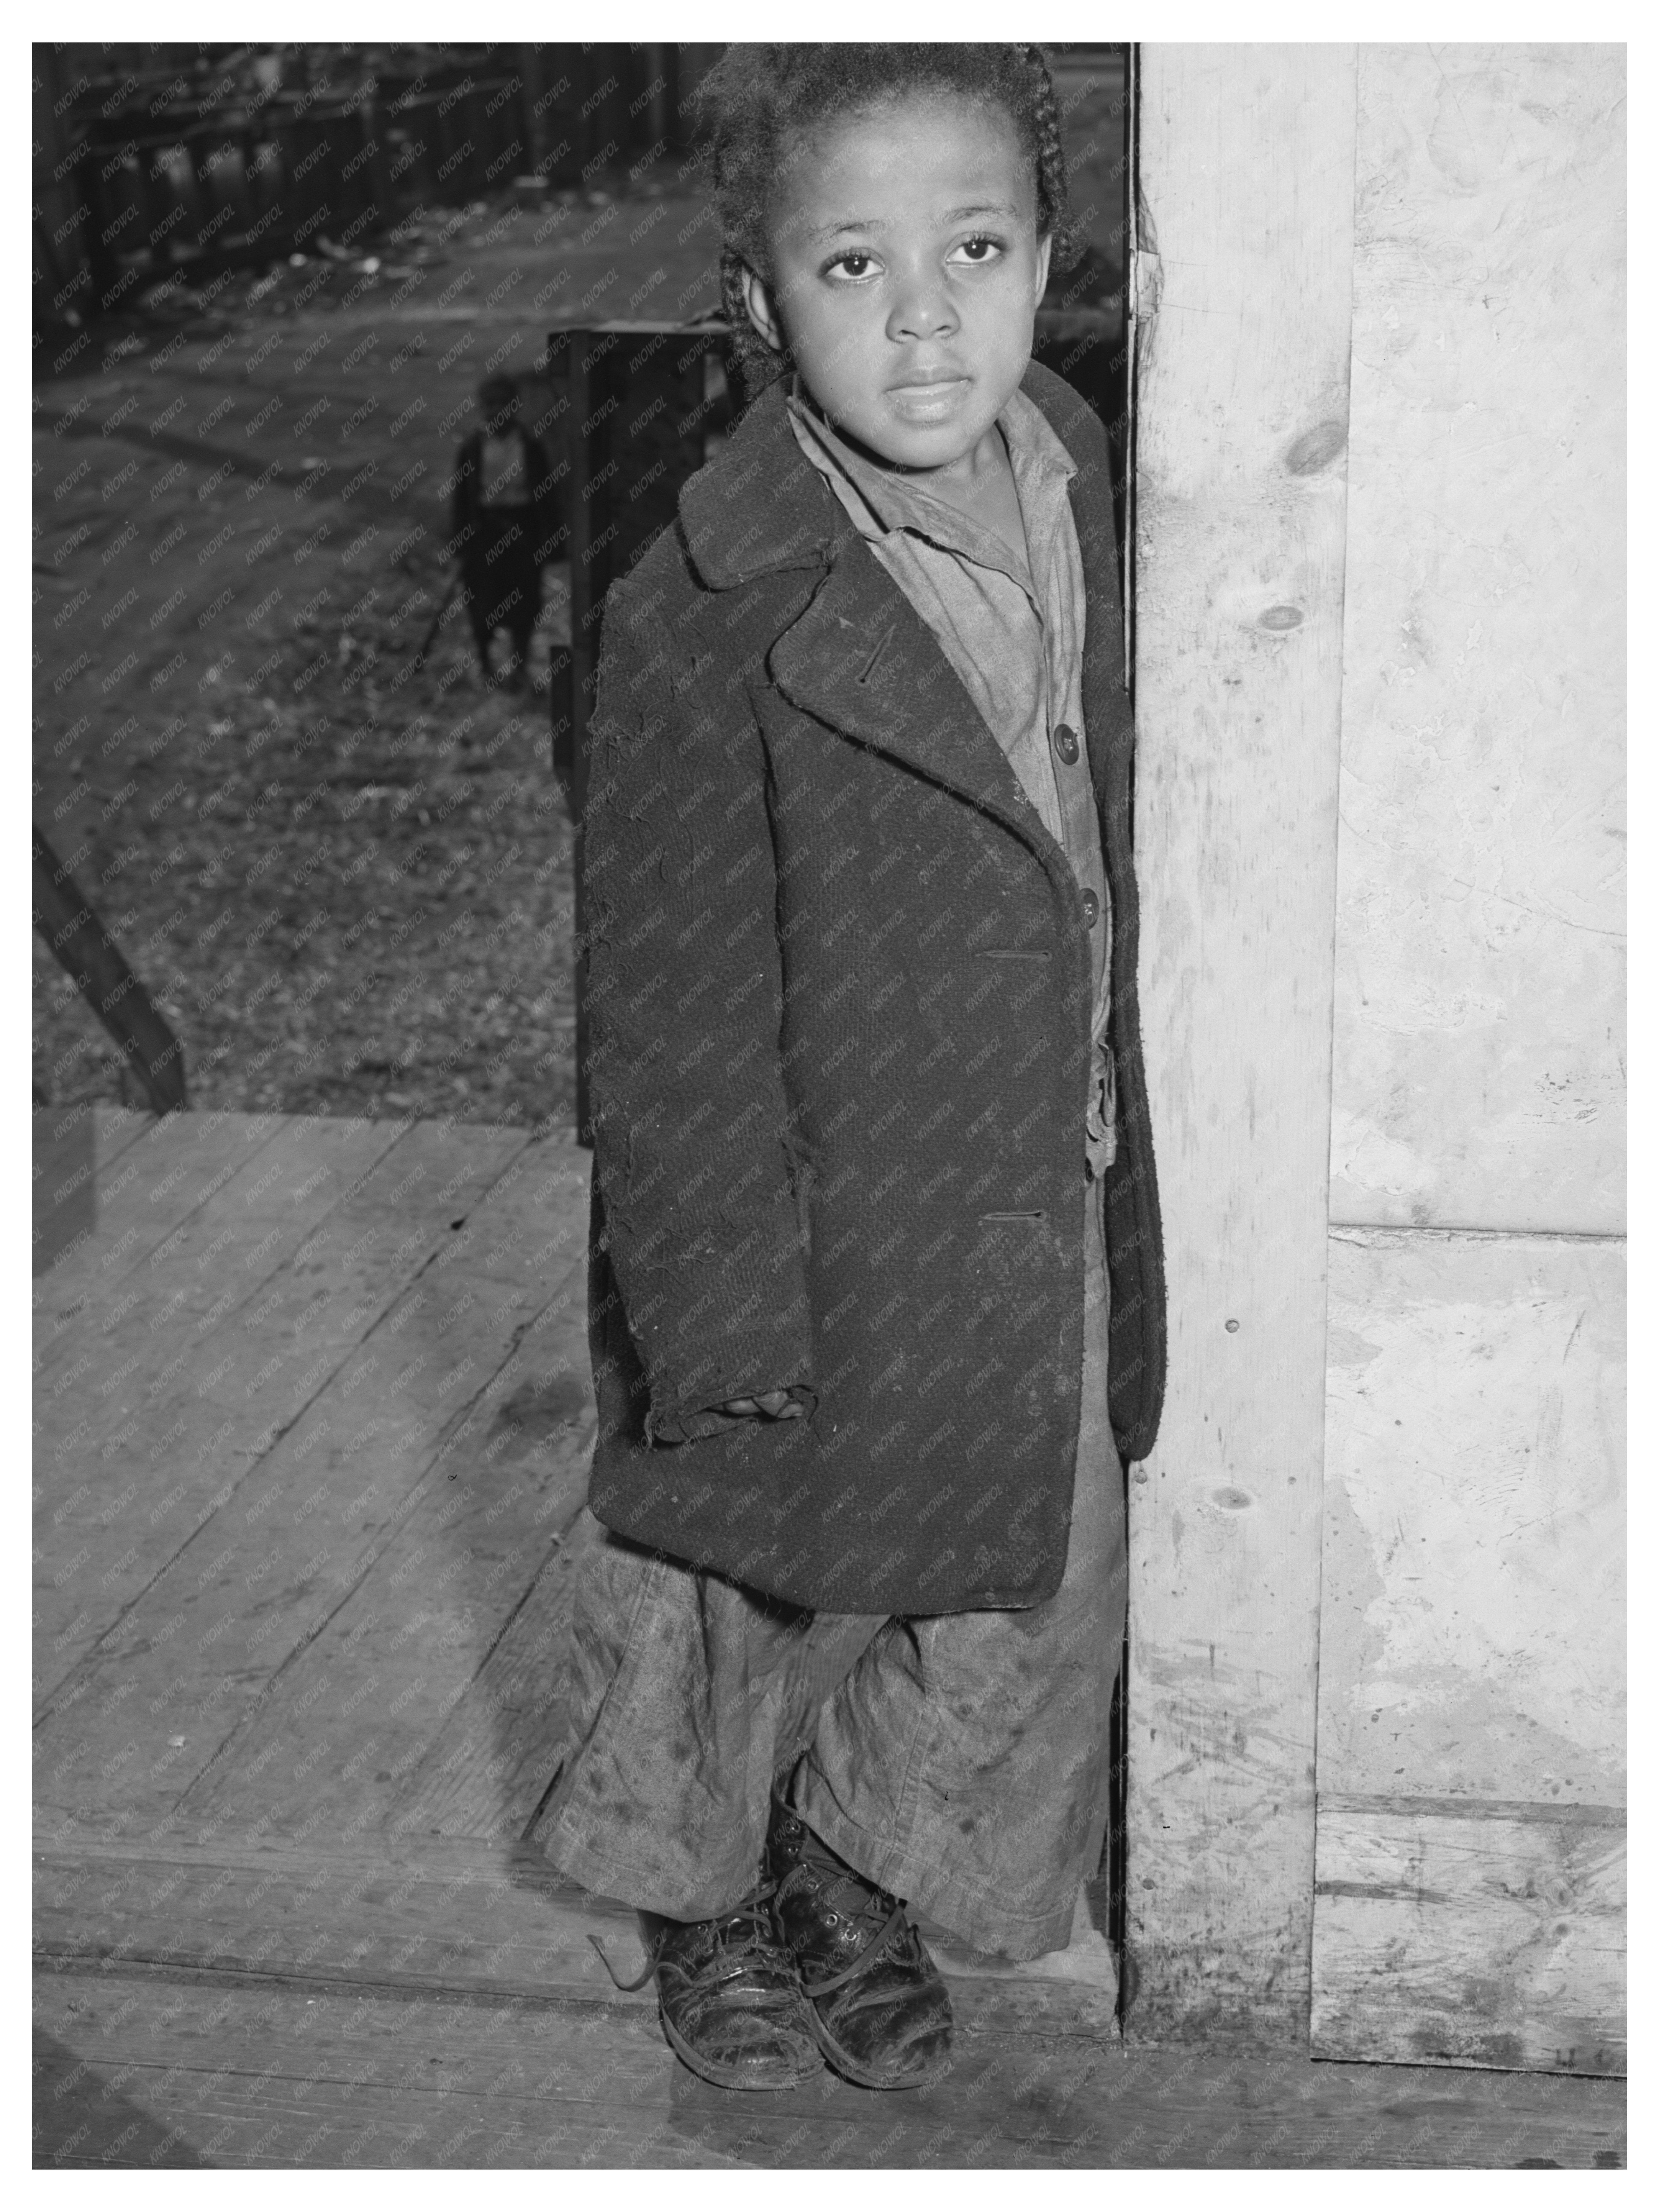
x=1246, y=178
x=576, y=687
x=80, y=944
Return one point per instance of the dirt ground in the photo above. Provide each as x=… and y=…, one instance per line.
x=346, y=885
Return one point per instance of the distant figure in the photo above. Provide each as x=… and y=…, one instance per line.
x=502, y=516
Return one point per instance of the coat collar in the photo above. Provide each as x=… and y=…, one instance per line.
x=860, y=658
x=760, y=505
x=863, y=661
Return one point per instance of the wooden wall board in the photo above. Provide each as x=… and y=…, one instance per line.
x=1246, y=175
x=1470, y=1762
x=272, y=1563
x=1472, y=1940
x=136, y=2070
x=1472, y=1641
x=206, y=1397
x=1469, y=1897
x=1479, y=1002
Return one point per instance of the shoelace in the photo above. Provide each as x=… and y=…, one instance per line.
x=869, y=1903
x=866, y=1959
x=759, y=1931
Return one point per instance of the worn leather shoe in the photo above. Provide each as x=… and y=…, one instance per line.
x=877, y=2004
x=730, y=1997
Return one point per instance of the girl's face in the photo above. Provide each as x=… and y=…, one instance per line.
x=907, y=270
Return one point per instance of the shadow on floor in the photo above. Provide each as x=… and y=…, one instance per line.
x=81, y=2118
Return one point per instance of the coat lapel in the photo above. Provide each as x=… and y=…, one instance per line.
x=863, y=661
x=860, y=658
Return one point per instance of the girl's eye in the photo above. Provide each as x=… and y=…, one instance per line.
x=981, y=250
x=853, y=264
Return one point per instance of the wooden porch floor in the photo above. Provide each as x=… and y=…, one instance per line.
x=312, y=1423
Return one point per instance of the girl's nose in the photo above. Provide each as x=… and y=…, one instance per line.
x=922, y=308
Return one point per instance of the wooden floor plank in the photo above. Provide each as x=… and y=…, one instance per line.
x=223, y=1249
x=470, y=1920
x=118, y=1127
x=276, y=2075
x=172, y=1167
x=495, y=1756
x=160, y=1494
x=72, y=1152
x=122, y=1492
x=173, y=1335
x=410, y=1913
x=301, y=1700
x=266, y=1571
x=354, y=1717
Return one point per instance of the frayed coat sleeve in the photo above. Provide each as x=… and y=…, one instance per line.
x=684, y=998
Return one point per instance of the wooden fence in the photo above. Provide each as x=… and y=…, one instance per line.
x=138, y=180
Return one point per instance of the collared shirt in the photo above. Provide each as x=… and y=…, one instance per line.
x=1011, y=624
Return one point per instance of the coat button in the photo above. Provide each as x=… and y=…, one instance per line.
x=1090, y=908
x=1065, y=743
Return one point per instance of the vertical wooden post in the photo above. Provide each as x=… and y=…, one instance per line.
x=375, y=115
x=62, y=265
x=584, y=639
x=659, y=76
x=1246, y=178
x=532, y=63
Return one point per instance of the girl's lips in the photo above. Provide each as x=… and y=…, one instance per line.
x=925, y=400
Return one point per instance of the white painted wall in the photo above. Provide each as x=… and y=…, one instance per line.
x=1379, y=635
x=1480, y=1041
x=1472, y=1632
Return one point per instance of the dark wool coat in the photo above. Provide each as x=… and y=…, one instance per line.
x=839, y=1003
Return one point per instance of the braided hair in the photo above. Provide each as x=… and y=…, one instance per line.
x=758, y=102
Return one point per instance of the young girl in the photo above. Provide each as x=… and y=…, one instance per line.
x=864, y=1063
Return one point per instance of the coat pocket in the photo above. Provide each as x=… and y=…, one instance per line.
x=802, y=1181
